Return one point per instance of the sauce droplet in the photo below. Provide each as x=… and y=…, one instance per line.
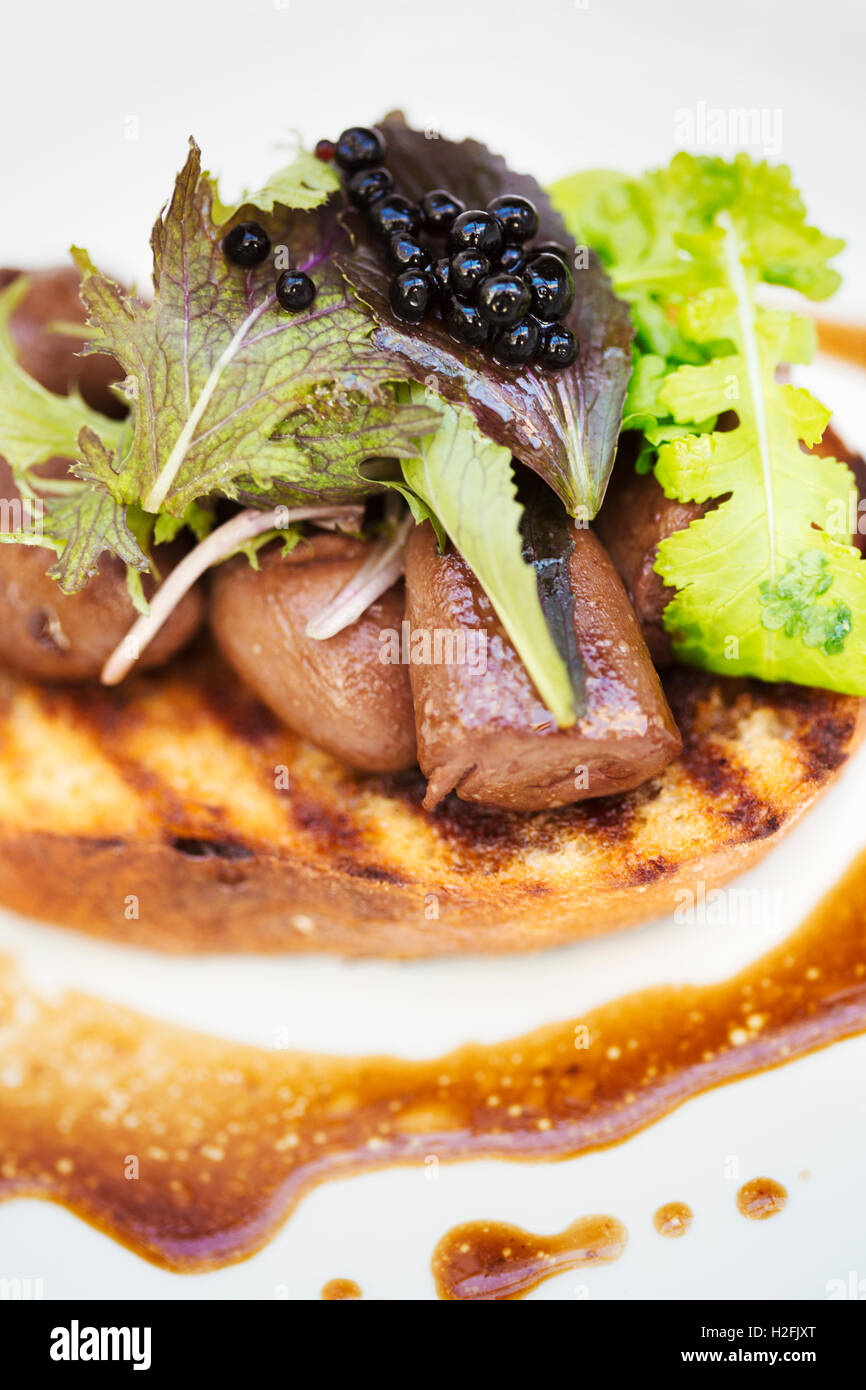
x=486, y=1261
x=337, y=1290
x=673, y=1219
x=761, y=1198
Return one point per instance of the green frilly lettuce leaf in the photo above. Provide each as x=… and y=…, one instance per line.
x=766, y=583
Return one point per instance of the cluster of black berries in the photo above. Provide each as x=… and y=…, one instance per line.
x=489, y=288
x=247, y=245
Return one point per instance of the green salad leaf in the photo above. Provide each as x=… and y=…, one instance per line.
x=766, y=582
x=229, y=395
x=36, y=424
x=320, y=453
x=467, y=483
x=84, y=523
x=214, y=365
x=305, y=182
x=764, y=586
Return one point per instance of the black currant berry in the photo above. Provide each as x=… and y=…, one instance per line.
x=247, y=244
x=325, y=150
x=464, y=322
x=442, y=275
x=557, y=346
x=295, y=290
x=394, y=213
x=516, y=344
x=552, y=285
x=549, y=248
x=518, y=216
x=476, y=230
x=410, y=295
x=438, y=210
x=405, y=253
x=503, y=299
x=359, y=146
x=367, y=185
x=468, y=269
x=512, y=260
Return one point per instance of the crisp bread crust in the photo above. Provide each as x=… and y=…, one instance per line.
x=176, y=813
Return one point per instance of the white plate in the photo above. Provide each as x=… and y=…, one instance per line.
x=94, y=116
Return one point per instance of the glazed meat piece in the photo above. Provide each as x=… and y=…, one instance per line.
x=53, y=636
x=52, y=358
x=337, y=693
x=485, y=733
x=635, y=517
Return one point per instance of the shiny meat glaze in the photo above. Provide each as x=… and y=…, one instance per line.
x=337, y=692
x=487, y=735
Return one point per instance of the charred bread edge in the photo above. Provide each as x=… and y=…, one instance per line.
x=195, y=906
x=208, y=895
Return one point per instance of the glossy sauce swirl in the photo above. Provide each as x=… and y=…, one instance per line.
x=193, y=1150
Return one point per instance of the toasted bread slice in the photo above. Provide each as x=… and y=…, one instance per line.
x=176, y=813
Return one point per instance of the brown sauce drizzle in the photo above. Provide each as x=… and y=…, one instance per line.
x=338, y=1290
x=845, y=340
x=482, y=1261
x=673, y=1219
x=192, y=1150
x=761, y=1198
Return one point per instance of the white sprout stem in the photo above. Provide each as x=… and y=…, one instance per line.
x=380, y=570
x=219, y=545
x=169, y=470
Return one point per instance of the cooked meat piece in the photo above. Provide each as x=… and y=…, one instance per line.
x=635, y=517
x=53, y=636
x=52, y=358
x=485, y=733
x=338, y=693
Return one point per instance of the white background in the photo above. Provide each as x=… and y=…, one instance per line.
x=96, y=105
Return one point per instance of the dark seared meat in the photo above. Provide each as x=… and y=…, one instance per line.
x=52, y=358
x=635, y=517
x=485, y=733
x=337, y=693
x=53, y=636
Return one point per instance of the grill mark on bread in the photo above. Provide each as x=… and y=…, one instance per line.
x=652, y=869
x=210, y=849
x=331, y=828
x=822, y=739
x=356, y=856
